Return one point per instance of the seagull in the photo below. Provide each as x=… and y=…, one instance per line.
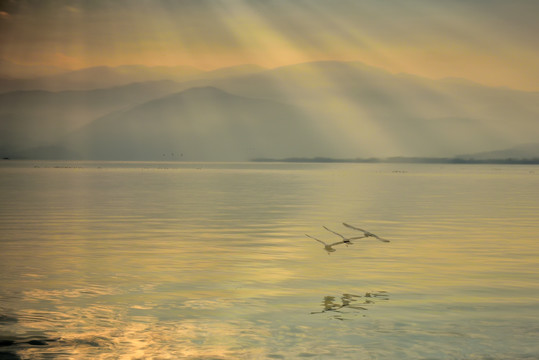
x=328, y=247
x=367, y=233
x=347, y=241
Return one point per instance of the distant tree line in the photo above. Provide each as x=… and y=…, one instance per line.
x=404, y=160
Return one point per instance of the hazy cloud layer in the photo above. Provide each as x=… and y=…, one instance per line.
x=493, y=42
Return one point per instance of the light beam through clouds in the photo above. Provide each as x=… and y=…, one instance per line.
x=371, y=60
x=489, y=42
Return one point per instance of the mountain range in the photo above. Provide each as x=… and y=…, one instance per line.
x=202, y=123
x=105, y=76
x=524, y=151
x=334, y=109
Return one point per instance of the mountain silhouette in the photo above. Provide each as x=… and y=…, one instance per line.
x=524, y=151
x=198, y=124
x=344, y=109
x=38, y=118
x=99, y=77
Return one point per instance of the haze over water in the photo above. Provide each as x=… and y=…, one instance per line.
x=210, y=261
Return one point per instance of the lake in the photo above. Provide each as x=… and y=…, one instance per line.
x=115, y=260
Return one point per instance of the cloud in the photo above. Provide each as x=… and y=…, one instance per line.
x=488, y=41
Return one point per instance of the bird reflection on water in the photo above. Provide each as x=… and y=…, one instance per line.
x=350, y=305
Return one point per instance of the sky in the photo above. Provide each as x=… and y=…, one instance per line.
x=492, y=42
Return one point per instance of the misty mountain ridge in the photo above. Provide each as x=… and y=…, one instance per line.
x=98, y=77
x=101, y=77
x=205, y=124
x=24, y=113
x=524, y=151
x=403, y=115
x=11, y=70
x=349, y=108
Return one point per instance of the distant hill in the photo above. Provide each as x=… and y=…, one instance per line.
x=100, y=77
x=38, y=118
x=525, y=151
x=382, y=114
x=351, y=110
x=11, y=70
x=367, y=111
x=197, y=124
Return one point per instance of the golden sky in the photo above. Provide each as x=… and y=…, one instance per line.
x=492, y=42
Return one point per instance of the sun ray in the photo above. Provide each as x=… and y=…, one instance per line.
x=361, y=72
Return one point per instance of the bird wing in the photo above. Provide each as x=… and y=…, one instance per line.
x=337, y=243
x=355, y=228
x=320, y=241
x=381, y=239
x=357, y=237
x=367, y=233
x=331, y=231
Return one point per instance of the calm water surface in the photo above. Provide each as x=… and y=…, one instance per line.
x=211, y=261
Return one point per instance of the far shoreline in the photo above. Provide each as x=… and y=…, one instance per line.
x=306, y=160
x=404, y=160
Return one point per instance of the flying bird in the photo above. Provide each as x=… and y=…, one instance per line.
x=328, y=247
x=346, y=240
x=365, y=232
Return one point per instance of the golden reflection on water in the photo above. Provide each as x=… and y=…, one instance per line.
x=214, y=263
